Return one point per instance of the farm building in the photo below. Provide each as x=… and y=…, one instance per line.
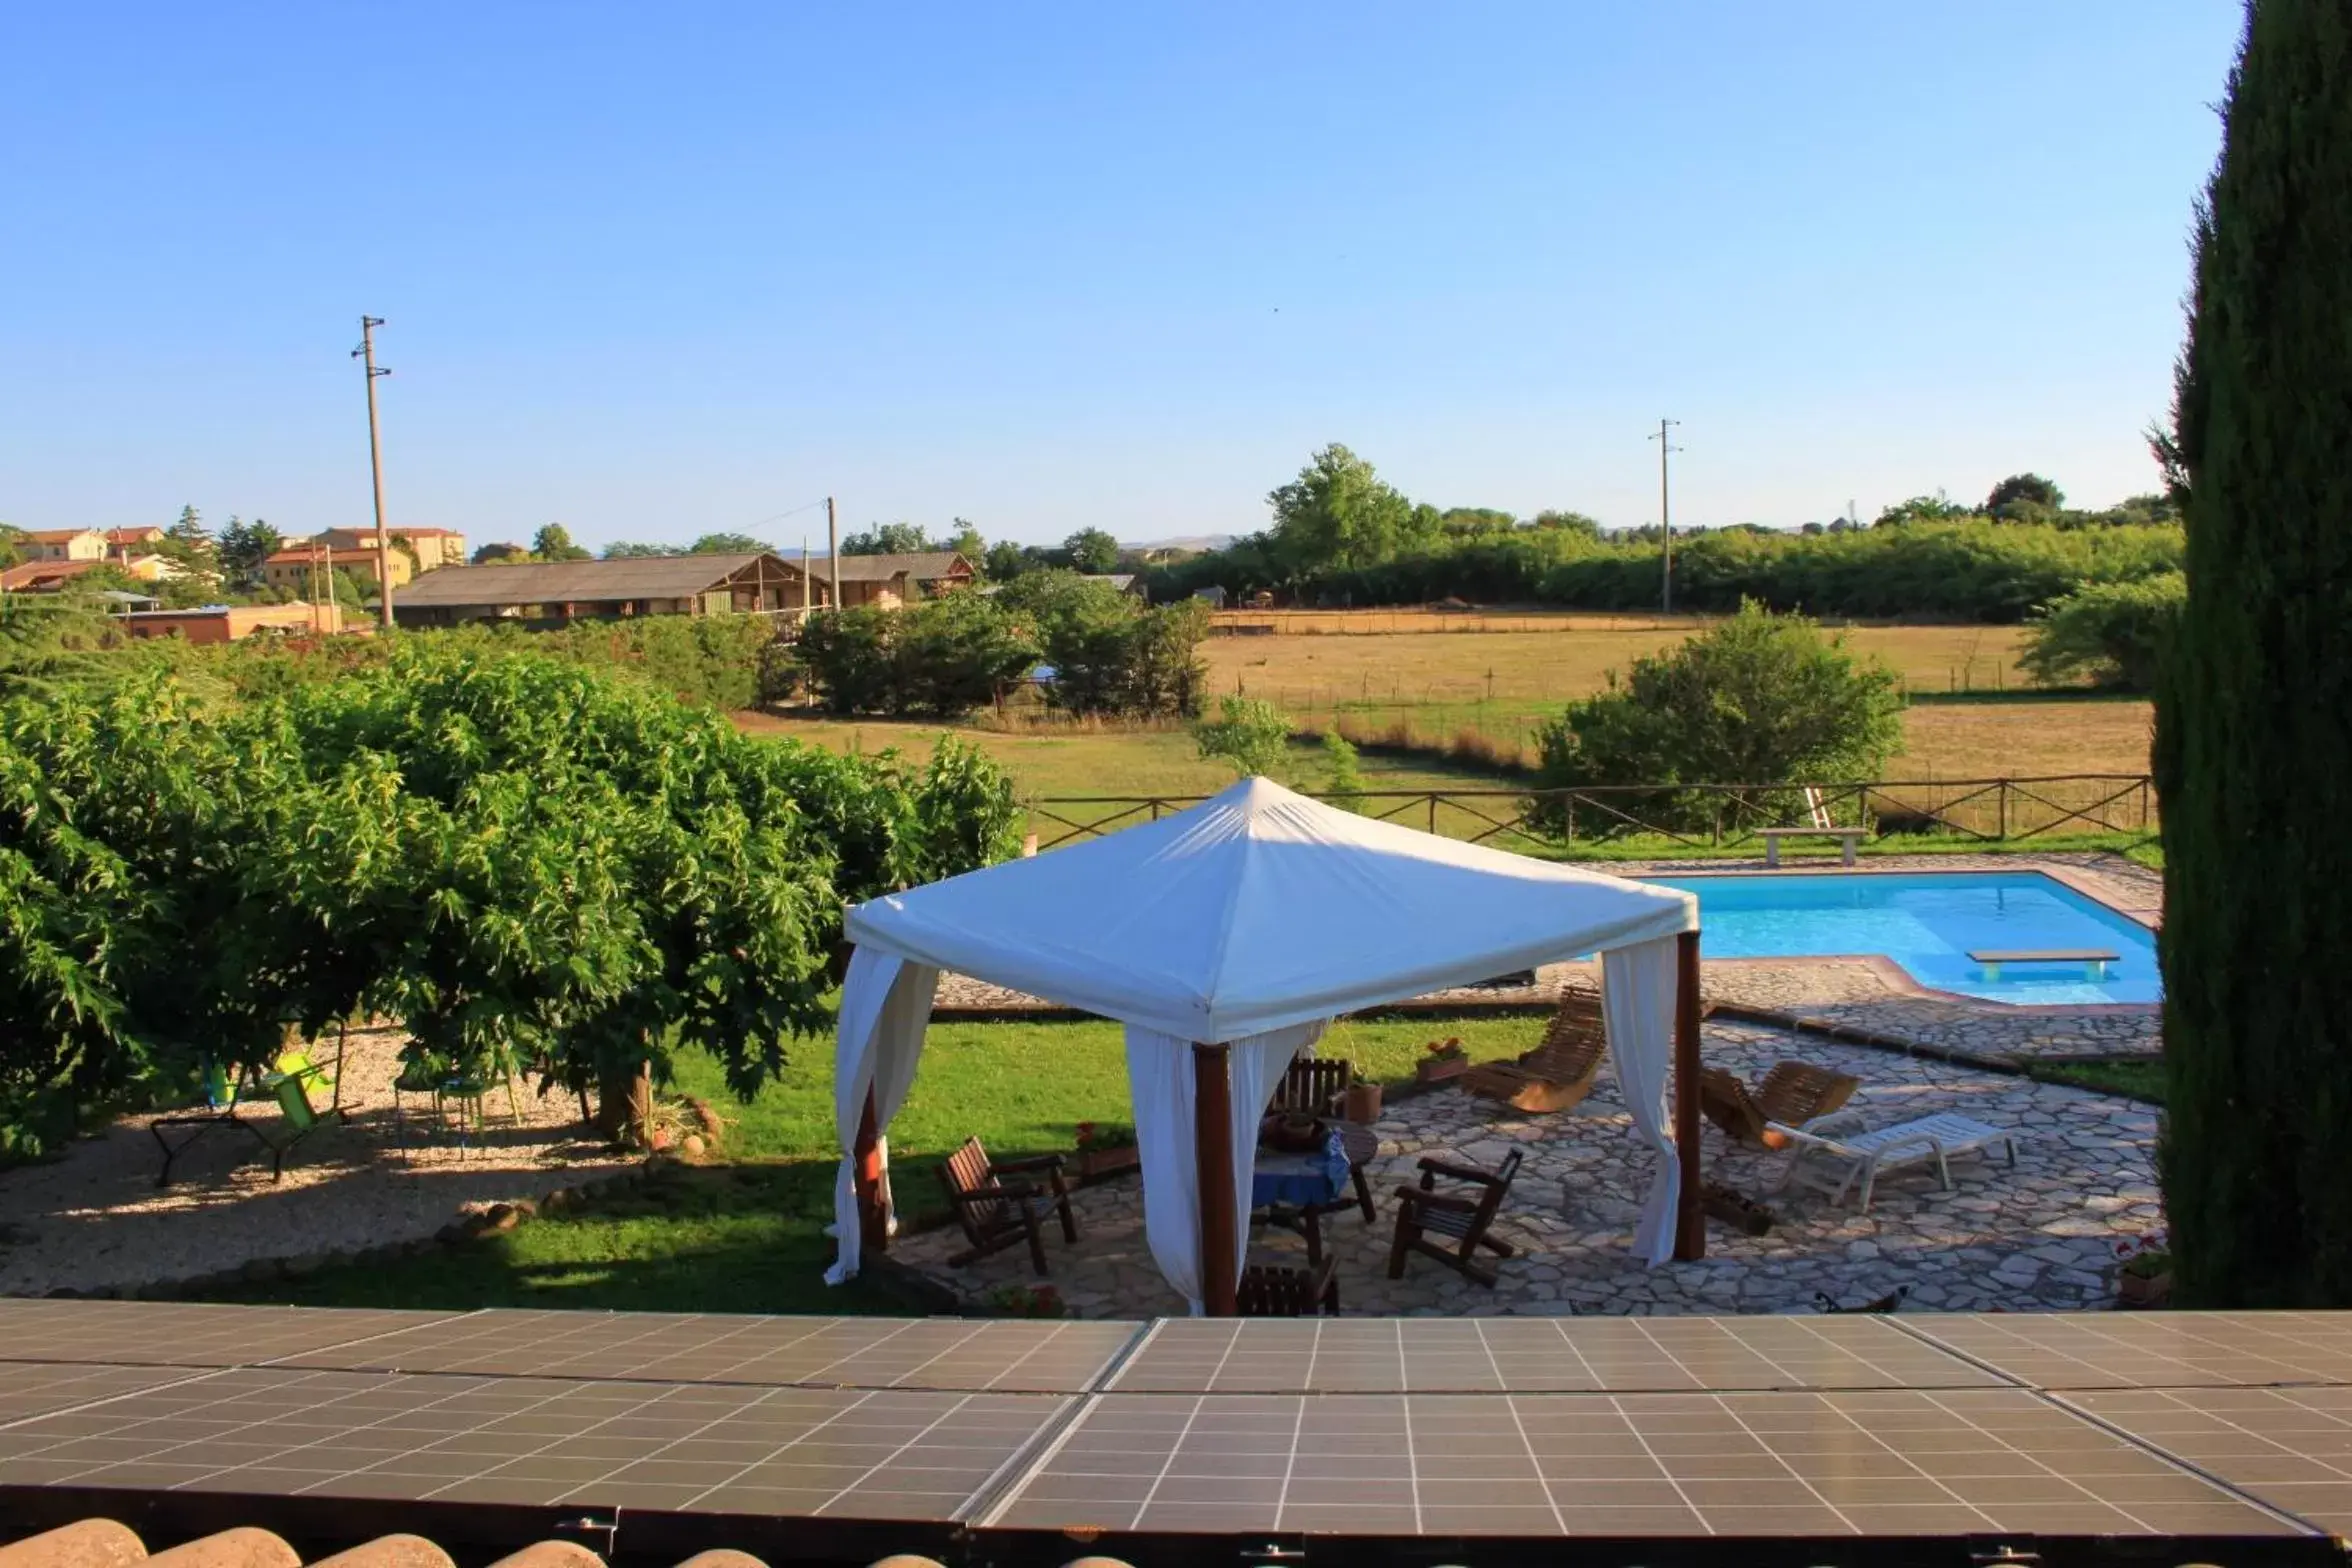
x=233, y=622
x=577, y=590
x=297, y=566
x=890, y=580
x=432, y=547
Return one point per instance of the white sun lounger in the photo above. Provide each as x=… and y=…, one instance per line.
x=1833, y=1153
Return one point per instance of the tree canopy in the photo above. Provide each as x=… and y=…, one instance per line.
x=554, y=543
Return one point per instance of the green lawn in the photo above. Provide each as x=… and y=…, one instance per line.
x=748, y=1236
x=2130, y=1077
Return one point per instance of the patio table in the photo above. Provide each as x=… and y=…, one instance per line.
x=1302, y=1186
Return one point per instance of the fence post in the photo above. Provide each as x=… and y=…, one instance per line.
x=1718, y=811
x=1433, y=812
x=2004, y=819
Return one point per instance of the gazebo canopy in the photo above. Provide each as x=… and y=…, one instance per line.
x=1225, y=938
x=1259, y=909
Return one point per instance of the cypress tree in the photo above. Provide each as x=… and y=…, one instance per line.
x=2254, y=711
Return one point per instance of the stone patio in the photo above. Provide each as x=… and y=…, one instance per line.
x=2042, y=1235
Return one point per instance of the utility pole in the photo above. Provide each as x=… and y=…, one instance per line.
x=833, y=549
x=1665, y=513
x=366, y=353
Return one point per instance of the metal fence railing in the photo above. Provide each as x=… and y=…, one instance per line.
x=1715, y=816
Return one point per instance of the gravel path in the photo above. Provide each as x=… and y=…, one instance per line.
x=94, y=1219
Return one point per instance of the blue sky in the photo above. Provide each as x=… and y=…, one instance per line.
x=654, y=270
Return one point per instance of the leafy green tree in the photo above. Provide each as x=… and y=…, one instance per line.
x=1250, y=733
x=188, y=530
x=1568, y=522
x=1006, y=560
x=889, y=539
x=966, y=541
x=2106, y=634
x=554, y=543
x=2254, y=713
x=1757, y=699
x=1937, y=508
x=11, y=545
x=629, y=550
x=500, y=555
x=941, y=658
x=2024, y=498
x=1466, y=520
x=242, y=547
x=1343, y=781
x=1338, y=512
x=728, y=544
x=1092, y=550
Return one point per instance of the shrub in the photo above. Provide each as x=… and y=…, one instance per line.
x=1761, y=698
x=1248, y=732
x=2106, y=634
x=1111, y=654
x=939, y=659
x=1343, y=783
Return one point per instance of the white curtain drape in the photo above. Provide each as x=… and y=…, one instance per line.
x=885, y=1007
x=1159, y=1081
x=1638, y=1000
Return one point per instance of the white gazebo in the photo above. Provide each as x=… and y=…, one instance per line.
x=1225, y=938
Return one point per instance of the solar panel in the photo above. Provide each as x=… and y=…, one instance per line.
x=946, y=1353
x=2291, y=1447
x=1900, y=1463
x=1534, y=1355
x=686, y=1447
x=183, y=1334
x=2151, y=1349
x=32, y=1388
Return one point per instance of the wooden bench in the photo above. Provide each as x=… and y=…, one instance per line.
x=1847, y=838
x=2092, y=958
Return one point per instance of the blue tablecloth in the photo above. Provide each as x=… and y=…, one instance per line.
x=1300, y=1180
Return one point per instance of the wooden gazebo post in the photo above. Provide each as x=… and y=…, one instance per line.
x=1212, y=1133
x=1690, y=1214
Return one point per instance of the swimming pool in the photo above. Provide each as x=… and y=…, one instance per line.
x=1929, y=922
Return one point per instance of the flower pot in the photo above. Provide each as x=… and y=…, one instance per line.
x=1437, y=1069
x=1095, y=1164
x=1361, y=1103
x=2143, y=1290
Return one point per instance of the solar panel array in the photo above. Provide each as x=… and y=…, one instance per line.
x=2230, y=1427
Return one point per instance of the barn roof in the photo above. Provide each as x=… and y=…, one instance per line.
x=575, y=582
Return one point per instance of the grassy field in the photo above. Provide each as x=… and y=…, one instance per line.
x=749, y=1236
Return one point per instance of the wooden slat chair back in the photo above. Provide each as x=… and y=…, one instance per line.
x=995, y=1213
x=1450, y=1227
x=1562, y=1068
x=1269, y=1290
x=1792, y=1094
x=1313, y=1086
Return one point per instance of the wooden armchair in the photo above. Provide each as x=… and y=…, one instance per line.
x=996, y=1213
x=1561, y=1069
x=1792, y=1094
x=1314, y=1086
x=1458, y=1224
x=1270, y=1290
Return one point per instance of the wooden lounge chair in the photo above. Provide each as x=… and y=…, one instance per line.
x=996, y=1213
x=1272, y=1290
x=1792, y=1094
x=1447, y=1226
x=1559, y=1071
x=1314, y=1086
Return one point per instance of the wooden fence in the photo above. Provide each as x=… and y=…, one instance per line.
x=1699, y=816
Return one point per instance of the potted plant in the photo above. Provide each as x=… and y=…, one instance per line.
x=2145, y=1279
x=1105, y=1149
x=1361, y=1103
x=1027, y=1301
x=1441, y=1059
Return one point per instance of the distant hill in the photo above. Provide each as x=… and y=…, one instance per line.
x=1188, y=542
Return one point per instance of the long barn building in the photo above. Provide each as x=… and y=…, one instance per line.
x=757, y=583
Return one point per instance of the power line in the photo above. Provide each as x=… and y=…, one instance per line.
x=1665, y=513
x=366, y=353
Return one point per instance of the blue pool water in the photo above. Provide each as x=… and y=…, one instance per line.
x=1929, y=923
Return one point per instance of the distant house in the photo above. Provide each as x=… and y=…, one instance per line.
x=51, y=576
x=888, y=580
x=1124, y=582
x=65, y=544
x=297, y=567
x=233, y=622
x=1214, y=594
x=432, y=547
x=577, y=590
x=121, y=541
